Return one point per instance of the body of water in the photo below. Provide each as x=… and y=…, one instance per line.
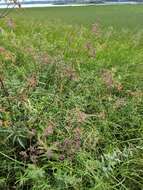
x=67, y=5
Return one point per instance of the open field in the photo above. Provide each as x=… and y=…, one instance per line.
x=127, y=16
x=71, y=99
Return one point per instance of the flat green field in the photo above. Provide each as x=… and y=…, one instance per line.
x=126, y=16
x=71, y=98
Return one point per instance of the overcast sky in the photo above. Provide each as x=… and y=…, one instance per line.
x=3, y=1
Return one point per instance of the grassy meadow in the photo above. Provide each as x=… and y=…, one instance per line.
x=118, y=16
x=71, y=98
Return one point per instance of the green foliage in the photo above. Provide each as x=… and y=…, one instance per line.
x=71, y=106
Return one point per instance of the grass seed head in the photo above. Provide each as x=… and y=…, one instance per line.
x=107, y=78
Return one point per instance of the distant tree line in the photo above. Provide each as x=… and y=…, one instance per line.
x=92, y=1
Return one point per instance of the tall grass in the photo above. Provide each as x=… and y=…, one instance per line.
x=71, y=107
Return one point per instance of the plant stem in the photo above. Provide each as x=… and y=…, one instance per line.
x=6, y=94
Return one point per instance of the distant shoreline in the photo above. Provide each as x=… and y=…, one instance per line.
x=30, y=5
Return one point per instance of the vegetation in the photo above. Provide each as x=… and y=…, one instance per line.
x=118, y=16
x=71, y=100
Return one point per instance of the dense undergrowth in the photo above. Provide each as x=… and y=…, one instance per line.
x=71, y=107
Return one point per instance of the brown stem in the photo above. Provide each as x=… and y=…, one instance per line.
x=6, y=94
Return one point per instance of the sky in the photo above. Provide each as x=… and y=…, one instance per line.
x=3, y=1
